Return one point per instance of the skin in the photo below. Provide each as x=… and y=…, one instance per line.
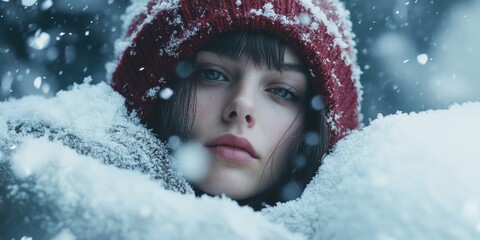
x=258, y=104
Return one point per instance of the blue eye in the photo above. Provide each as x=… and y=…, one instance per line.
x=212, y=75
x=283, y=93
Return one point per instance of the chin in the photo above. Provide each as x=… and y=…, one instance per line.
x=232, y=185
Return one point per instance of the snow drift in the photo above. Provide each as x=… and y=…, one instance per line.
x=406, y=176
x=79, y=166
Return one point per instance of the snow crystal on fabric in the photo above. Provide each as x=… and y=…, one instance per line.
x=126, y=205
x=133, y=11
x=94, y=121
x=343, y=37
x=172, y=47
x=78, y=165
x=406, y=176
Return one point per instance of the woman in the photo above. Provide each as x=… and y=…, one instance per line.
x=266, y=87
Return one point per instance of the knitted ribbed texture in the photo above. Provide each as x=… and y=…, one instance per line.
x=171, y=31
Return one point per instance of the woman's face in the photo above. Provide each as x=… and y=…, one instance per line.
x=248, y=117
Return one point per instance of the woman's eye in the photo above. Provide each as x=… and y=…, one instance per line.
x=283, y=93
x=212, y=75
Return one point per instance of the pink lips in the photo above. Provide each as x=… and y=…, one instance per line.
x=233, y=148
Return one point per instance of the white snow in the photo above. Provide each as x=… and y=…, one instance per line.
x=174, y=142
x=120, y=203
x=107, y=200
x=152, y=92
x=166, y=93
x=65, y=110
x=268, y=10
x=406, y=176
x=88, y=79
x=317, y=103
x=422, y=58
x=47, y=4
x=93, y=120
x=37, y=82
x=135, y=9
x=175, y=41
x=193, y=161
x=40, y=40
x=305, y=19
x=28, y=3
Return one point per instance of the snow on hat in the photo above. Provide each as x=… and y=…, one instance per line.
x=161, y=33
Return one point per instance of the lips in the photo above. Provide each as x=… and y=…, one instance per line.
x=233, y=148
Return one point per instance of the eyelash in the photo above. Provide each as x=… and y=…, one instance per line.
x=202, y=75
x=286, y=94
x=291, y=96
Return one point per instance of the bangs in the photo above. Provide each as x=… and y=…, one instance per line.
x=263, y=49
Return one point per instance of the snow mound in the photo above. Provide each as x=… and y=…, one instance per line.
x=94, y=121
x=95, y=201
x=78, y=166
x=406, y=176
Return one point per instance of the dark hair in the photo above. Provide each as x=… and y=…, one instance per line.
x=265, y=50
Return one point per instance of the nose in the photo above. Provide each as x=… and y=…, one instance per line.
x=240, y=109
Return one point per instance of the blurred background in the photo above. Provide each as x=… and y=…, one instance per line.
x=415, y=54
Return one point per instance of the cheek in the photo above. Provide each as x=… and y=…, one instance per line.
x=206, y=110
x=281, y=124
x=282, y=132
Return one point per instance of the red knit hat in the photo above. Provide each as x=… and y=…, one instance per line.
x=159, y=34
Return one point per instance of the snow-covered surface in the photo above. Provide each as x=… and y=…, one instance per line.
x=94, y=122
x=406, y=176
x=116, y=203
x=55, y=186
